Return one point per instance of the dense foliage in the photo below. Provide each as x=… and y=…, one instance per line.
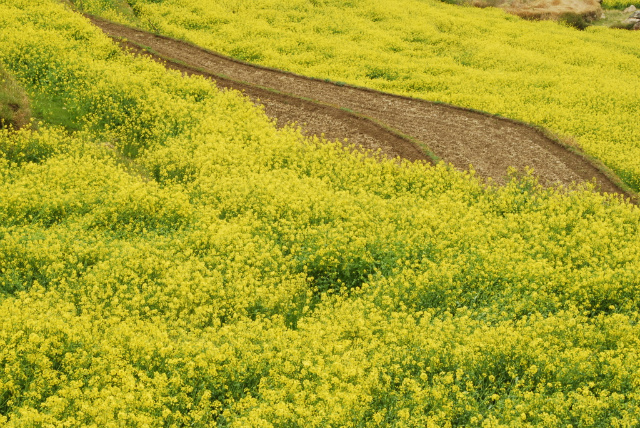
x=576, y=83
x=171, y=259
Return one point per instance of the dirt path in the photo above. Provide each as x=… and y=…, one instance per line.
x=380, y=120
x=314, y=118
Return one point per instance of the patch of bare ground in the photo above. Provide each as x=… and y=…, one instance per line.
x=14, y=103
x=589, y=10
x=313, y=118
x=460, y=136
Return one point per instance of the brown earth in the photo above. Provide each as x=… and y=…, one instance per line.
x=312, y=117
x=544, y=9
x=14, y=103
x=375, y=119
x=15, y=116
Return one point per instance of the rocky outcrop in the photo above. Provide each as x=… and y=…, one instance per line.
x=633, y=20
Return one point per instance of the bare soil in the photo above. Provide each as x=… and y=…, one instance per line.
x=14, y=103
x=376, y=119
x=313, y=118
x=544, y=9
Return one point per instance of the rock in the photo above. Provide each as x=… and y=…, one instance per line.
x=636, y=26
x=633, y=18
x=630, y=9
x=603, y=16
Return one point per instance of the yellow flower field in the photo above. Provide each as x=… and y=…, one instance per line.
x=618, y=4
x=578, y=84
x=169, y=258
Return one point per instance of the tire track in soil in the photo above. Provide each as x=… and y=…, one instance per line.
x=460, y=136
x=314, y=118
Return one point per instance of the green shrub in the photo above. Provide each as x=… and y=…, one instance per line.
x=574, y=20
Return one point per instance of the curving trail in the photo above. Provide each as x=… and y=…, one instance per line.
x=399, y=126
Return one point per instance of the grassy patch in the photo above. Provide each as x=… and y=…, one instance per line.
x=619, y=4
x=113, y=9
x=14, y=103
x=53, y=110
x=573, y=20
x=613, y=19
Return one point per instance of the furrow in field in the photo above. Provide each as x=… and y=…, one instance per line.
x=380, y=120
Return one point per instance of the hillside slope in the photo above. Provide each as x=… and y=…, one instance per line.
x=574, y=83
x=492, y=145
x=173, y=259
